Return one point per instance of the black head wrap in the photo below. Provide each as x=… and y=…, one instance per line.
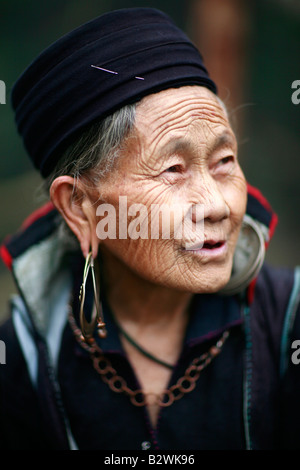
x=96, y=69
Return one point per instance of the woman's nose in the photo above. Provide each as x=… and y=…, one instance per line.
x=214, y=206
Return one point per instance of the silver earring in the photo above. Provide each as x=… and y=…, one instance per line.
x=88, y=327
x=248, y=257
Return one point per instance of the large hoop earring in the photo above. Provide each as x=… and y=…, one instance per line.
x=248, y=257
x=88, y=327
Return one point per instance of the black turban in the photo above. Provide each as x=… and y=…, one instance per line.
x=96, y=69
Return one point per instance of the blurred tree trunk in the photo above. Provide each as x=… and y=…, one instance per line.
x=220, y=30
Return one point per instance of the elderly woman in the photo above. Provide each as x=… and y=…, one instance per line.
x=124, y=337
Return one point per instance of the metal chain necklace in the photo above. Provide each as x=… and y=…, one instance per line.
x=138, y=397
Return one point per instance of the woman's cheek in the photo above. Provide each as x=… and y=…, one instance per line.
x=235, y=194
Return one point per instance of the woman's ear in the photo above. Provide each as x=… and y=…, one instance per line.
x=76, y=207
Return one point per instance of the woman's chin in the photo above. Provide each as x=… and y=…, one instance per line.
x=210, y=282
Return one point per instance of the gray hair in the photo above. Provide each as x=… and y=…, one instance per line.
x=97, y=149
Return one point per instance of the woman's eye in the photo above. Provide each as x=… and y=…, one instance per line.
x=224, y=166
x=174, y=169
x=226, y=160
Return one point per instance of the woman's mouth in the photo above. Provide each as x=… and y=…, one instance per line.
x=210, y=248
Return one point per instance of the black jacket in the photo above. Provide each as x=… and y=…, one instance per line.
x=51, y=397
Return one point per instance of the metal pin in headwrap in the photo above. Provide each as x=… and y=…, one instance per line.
x=111, y=71
x=104, y=70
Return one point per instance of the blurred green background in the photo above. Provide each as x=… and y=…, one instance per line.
x=251, y=48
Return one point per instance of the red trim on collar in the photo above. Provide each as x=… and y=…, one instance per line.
x=251, y=291
x=6, y=256
x=273, y=223
x=264, y=202
x=37, y=214
x=258, y=195
x=272, y=226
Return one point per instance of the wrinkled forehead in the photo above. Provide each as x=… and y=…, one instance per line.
x=175, y=110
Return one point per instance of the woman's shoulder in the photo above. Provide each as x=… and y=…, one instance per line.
x=275, y=310
x=276, y=295
x=276, y=285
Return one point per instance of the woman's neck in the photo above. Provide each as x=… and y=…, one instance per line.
x=137, y=301
x=154, y=317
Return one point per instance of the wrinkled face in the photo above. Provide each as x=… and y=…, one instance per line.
x=183, y=153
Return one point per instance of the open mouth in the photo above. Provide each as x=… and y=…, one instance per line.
x=211, y=248
x=211, y=245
